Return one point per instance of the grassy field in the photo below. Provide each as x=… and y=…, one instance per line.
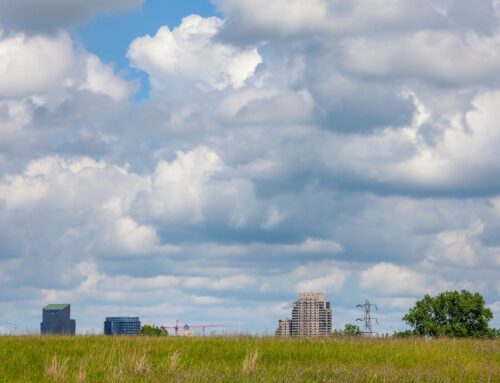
x=246, y=359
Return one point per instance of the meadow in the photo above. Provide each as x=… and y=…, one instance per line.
x=246, y=359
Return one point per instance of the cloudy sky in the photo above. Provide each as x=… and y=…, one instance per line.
x=206, y=161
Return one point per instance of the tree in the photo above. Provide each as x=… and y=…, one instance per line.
x=351, y=329
x=149, y=330
x=452, y=313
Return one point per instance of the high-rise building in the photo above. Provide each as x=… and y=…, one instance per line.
x=284, y=327
x=122, y=326
x=311, y=316
x=57, y=320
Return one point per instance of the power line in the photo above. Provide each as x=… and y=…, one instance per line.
x=367, y=319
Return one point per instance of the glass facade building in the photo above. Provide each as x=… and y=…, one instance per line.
x=57, y=320
x=122, y=326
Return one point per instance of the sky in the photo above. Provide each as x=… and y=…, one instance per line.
x=207, y=161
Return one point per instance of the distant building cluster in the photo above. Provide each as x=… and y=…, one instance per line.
x=57, y=321
x=311, y=316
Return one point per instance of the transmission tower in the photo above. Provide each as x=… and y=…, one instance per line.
x=367, y=319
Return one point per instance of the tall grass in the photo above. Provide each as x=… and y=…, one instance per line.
x=246, y=359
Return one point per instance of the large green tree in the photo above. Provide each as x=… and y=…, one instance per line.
x=452, y=313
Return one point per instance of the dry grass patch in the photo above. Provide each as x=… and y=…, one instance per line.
x=250, y=362
x=173, y=362
x=141, y=365
x=57, y=369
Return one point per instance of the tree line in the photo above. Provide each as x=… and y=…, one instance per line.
x=449, y=314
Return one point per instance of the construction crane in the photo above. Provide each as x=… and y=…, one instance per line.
x=367, y=319
x=186, y=328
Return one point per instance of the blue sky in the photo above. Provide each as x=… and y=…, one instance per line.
x=207, y=161
x=108, y=36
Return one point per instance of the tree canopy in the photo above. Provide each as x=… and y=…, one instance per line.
x=452, y=313
x=351, y=329
x=150, y=330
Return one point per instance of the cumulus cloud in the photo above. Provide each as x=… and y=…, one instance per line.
x=190, y=51
x=258, y=20
x=33, y=65
x=330, y=283
x=391, y=279
x=38, y=65
x=56, y=183
x=179, y=187
x=455, y=246
x=101, y=79
x=349, y=147
x=441, y=57
x=281, y=17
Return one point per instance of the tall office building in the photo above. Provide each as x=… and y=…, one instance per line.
x=57, y=320
x=311, y=316
x=122, y=326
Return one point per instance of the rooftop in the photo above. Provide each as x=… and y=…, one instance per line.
x=56, y=306
x=320, y=297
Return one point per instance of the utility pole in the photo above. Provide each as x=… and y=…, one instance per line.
x=367, y=319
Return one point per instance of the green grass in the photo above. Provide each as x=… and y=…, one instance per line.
x=246, y=359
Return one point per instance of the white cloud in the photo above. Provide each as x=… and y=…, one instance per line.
x=456, y=246
x=402, y=304
x=457, y=160
x=258, y=19
x=267, y=106
x=191, y=52
x=56, y=181
x=133, y=237
x=440, y=57
x=236, y=282
x=390, y=279
x=107, y=196
x=179, y=187
x=101, y=79
x=99, y=191
x=331, y=282
x=96, y=281
x=33, y=65
x=313, y=245
x=282, y=16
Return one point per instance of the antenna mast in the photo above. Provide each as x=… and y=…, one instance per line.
x=367, y=319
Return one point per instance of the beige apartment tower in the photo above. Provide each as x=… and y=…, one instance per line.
x=311, y=316
x=284, y=327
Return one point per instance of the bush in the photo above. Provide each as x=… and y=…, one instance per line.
x=149, y=330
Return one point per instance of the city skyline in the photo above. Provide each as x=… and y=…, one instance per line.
x=208, y=160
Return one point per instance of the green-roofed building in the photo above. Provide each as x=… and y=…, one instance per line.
x=57, y=320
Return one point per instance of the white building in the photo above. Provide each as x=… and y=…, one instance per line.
x=284, y=327
x=311, y=316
